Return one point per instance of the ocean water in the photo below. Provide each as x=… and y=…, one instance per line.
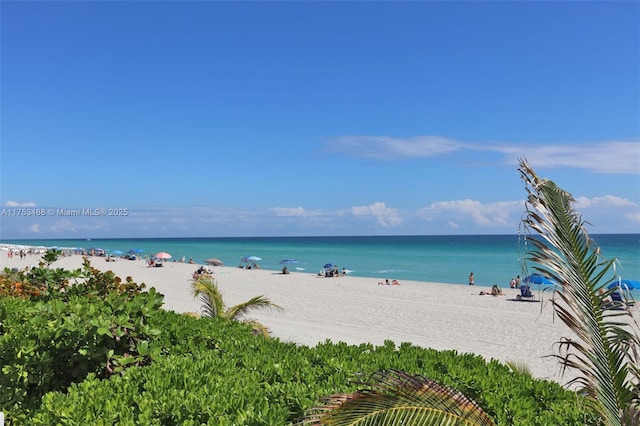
x=493, y=259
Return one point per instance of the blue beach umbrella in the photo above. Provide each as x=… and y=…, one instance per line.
x=135, y=251
x=538, y=279
x=625, y=284
x=328, y=266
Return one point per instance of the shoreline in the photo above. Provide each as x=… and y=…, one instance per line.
x=357, y=310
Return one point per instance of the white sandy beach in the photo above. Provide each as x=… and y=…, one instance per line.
x=358, y=310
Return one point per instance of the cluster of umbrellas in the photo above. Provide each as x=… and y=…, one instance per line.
x=624, y=284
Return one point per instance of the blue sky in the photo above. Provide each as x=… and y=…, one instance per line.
x=314, y=118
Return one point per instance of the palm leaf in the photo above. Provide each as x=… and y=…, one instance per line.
x=238, y=311
x=606, y=352
x=206, y=289
x=258, y=328
x=397, y=398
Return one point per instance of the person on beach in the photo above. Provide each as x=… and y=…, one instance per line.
x=395, y=282
x=386, y=282
x=512, y=283
x=471, y=279
x=517, y=282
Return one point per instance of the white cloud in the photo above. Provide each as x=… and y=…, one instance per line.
x=633, y=217
x=389, y=147
x=605, y=157
x=458, y=212
x=35, y=228
x=293, y=212
x=11, y=203
x=385, y=216
x=605, y=201
x=600, y=157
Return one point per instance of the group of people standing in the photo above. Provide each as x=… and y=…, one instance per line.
x=514, y=283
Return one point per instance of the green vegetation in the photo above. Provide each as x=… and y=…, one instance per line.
x=206, y=288
x=397, y=398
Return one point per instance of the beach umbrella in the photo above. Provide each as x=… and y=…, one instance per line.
x=251, y=258
x=625, y=284
x=285, y=261
x=538, y=279
x=162, y=255
x=214, y=261
x=135, y=251
x=328, y=266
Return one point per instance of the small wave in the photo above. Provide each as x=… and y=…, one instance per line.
x=300, y=269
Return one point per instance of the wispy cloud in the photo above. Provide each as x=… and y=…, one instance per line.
x=385, y=147
x=633, y=217
x=11, y=203
x=485, y=215
x=603, y=157
x=294, y=212
x=605, y=201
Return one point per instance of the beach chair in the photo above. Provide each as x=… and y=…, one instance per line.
x=618, y=302
x=525, y=293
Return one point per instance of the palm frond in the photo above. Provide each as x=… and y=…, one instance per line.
x=604, y=354
x=238, y=311
x=519, y=367
x=394, y=397
x=258, y=328
x=206, y=289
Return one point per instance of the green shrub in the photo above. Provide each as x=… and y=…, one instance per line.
x=216, y=372
x=47, y=345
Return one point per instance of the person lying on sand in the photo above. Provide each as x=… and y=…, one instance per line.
x=495, y=291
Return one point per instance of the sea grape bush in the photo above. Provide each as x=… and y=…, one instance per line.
x=47, y=345
x=227, y=376
x=44, y=283
x=95, y=324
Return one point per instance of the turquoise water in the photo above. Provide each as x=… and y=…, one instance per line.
x=493, y=259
